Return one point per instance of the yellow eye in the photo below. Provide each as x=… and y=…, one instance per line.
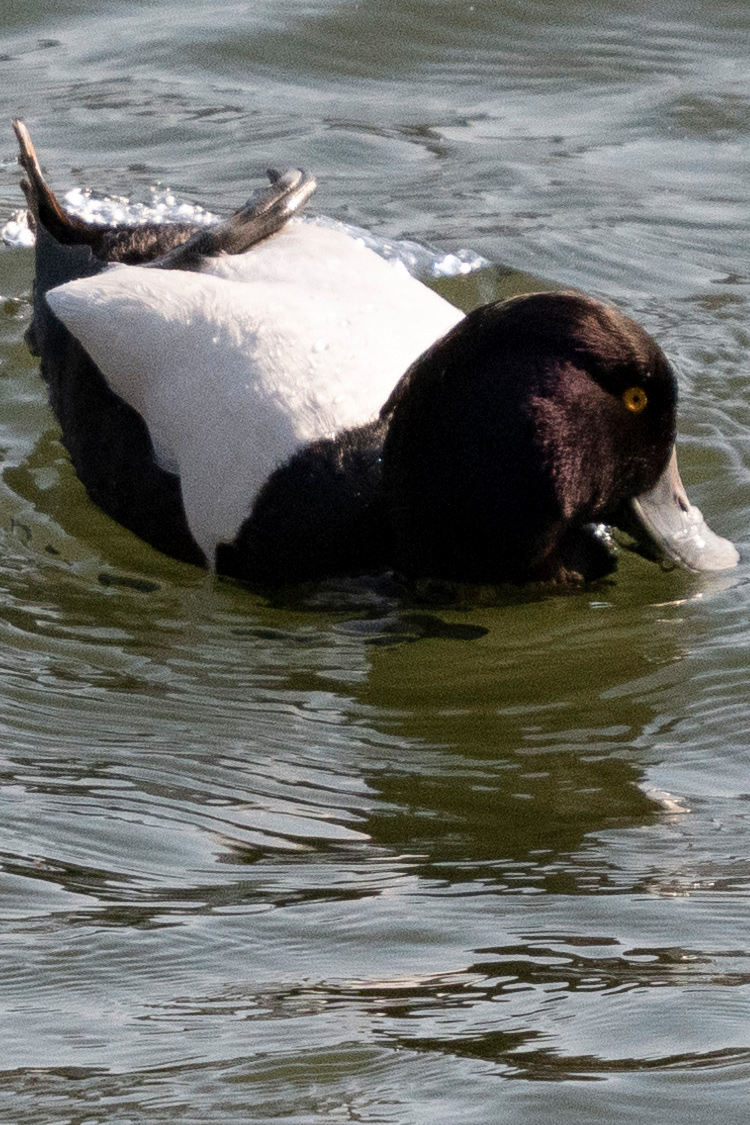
x=634, y=399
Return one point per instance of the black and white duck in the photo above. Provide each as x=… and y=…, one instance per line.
x=220, y=391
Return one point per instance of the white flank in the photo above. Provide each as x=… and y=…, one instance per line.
x=235, y=368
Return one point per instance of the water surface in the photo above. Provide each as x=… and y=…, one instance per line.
x=338, y=858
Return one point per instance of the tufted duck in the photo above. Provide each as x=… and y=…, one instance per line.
x=219, y=392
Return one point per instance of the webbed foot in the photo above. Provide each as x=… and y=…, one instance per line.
x=263, y=215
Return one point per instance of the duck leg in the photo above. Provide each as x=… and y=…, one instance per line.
x=263, y=215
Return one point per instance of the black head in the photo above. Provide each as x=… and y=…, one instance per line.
x=531, y=419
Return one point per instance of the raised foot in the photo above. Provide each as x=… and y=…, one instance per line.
x=263, y=215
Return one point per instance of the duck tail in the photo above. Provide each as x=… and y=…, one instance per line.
x=44, y=206
x=65, y=249
x=264, y=214
x=60, y=234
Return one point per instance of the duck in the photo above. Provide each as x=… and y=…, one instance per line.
x=270, y=399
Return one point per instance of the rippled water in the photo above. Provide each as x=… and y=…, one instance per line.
x=339, y=858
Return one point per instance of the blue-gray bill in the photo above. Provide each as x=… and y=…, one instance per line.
x=666, y=527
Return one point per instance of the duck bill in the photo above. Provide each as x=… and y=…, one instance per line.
x=666, y=527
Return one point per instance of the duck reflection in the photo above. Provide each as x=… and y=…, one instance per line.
x=518, y=744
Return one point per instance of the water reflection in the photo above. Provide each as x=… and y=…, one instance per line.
x=520, y=758
x=459, y=1015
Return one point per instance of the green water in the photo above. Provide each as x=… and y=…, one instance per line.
x=339, y=859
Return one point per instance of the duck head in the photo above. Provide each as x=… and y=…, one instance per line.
x=530, y=422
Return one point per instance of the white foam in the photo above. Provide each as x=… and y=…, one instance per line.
x=16, y=231
x=420, y=260
x=163, y=206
